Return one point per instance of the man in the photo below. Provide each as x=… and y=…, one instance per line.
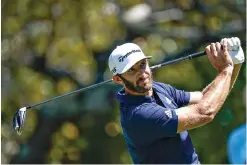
x=155, y=117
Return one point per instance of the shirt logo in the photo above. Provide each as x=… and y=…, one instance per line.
x=121, y=58
x=168, y=113
x=168, y=100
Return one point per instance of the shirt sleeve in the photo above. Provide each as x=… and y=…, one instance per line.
x=181, y=97
x=153, y=122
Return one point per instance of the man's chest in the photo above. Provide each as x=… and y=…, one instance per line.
x=165, y=100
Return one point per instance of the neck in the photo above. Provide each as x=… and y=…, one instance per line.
x=148, y=93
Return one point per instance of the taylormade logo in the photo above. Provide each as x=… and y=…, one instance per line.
x=121, y=58
x=114, y=70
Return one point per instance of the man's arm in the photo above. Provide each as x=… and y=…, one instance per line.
x=235, y=73
x=237, y=55
x=204, y=111
x=195, y=97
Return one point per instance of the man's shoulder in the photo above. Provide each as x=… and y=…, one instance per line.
x=160, y=85
x=135, y=111
x=156, y=83
x=137, y=108
x=143, y=111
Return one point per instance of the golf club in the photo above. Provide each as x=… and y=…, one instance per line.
x=20, y=115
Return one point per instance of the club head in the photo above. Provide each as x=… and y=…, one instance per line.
x=19, y=120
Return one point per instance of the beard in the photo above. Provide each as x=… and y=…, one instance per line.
x=138, y=88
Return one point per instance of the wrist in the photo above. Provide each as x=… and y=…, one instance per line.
x=228, y=69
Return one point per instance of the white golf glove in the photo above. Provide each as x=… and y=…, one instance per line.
x=235, y=50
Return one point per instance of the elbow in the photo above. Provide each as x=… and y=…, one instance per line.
x=207, y=109
x=210, y=118
x=207, y=112
x=205, y=119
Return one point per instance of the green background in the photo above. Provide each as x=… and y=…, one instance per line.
x=50, y=47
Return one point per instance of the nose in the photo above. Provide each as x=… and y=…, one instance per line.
x=143, y=69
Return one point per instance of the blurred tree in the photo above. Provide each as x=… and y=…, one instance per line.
x=50, y=47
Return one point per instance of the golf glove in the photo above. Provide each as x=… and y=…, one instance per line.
x=235, y=50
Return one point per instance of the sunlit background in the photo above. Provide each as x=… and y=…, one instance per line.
x=50, y=47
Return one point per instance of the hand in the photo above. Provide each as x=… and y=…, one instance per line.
x=235, y=50
x=219, y=56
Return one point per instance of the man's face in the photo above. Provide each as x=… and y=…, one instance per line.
x=138, y=78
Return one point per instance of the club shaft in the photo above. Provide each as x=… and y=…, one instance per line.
x=70, y=93
x=191, y=56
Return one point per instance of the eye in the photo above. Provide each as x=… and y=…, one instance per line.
x=143, y=64
x=130, y=70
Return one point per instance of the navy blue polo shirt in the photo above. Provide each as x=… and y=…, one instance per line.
x=150, y=127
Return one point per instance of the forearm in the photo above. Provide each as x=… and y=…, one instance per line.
x=216, y=94
x=235, y=73
x=204, y=111
x=206, y=89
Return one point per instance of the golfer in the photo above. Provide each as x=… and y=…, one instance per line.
x=156, y=117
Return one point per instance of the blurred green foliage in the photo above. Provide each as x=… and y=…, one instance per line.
x=50, y=47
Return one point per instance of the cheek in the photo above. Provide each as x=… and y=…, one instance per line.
x=149, y=73
x=131, y=79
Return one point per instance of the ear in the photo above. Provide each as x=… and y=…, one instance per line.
x=118, y=80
